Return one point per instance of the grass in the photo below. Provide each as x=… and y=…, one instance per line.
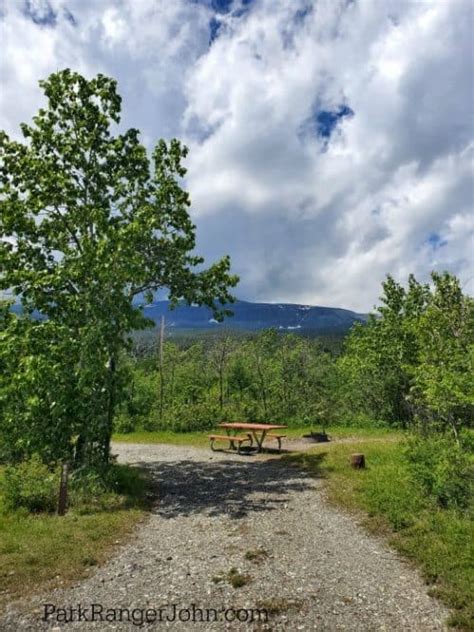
x=256, y=555
x=278, y=605
x=199, y=439
x=235, y=578
x=45, y=549
x=438, y=541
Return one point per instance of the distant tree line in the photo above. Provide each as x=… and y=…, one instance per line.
x=268, y=376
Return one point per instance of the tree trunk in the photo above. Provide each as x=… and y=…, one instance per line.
x=262, y=387
x=284, y=384
x=171, y=390
x=110, y=411
x=221, y=376
x=162, y=385
x=221, y=363
x=62, y=498
x=79, y=450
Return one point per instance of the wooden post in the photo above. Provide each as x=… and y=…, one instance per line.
x=62, y=499
x=357, y=461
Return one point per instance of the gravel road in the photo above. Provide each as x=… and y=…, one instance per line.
x=222, y=518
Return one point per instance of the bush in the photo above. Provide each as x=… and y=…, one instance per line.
x=360, y=420
x=86, y=484
x=124, y=424
x=125, y=480
x=443, y=469
x=33, y=487
x=191, y=417
x=115, y=485
x=30, y=485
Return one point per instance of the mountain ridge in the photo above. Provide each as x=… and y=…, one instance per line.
x=252, y=316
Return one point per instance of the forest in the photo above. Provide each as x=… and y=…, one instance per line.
x=371, y=377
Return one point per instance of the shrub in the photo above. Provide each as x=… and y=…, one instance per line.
x=124, y=424
x=30, y=485
x=86, y=484
x=192, y=417
x=361, y=420
x=92, y=488
x=443, y=469
x=125, y=480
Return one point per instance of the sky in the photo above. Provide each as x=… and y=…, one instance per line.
x=331, y=141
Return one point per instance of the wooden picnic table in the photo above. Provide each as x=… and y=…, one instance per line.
x=257, y=430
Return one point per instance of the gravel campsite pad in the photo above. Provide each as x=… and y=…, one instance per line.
x=246, y=533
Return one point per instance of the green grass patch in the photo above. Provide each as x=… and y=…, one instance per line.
x=199, y=439
x=45, y=549
x=237, y=579
x=439, y=541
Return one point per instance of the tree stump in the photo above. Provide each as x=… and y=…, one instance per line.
x=358, y=461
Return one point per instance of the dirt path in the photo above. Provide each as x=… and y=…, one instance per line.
x=310, y=566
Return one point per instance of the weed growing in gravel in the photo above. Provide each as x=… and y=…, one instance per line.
x=256, y=556
x=237, y=579
x=277, y=605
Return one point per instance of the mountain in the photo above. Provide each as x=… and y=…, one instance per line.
x=251, y=317
x=255, y=316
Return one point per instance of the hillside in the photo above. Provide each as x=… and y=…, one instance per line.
x=255, y=316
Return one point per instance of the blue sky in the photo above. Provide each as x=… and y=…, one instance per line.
x=331, y=141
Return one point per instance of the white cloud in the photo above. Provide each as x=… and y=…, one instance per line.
x=305, y=219
x=333, y=223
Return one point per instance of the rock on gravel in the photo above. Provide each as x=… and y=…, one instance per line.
x=234, y=537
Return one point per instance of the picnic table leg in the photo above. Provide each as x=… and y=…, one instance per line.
x=229, y=434
x=259, y=442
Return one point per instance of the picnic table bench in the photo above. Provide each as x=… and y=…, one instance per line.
x=278, y=437
x=251, y=431
x=232, y=439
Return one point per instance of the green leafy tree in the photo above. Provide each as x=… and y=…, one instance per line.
x=443, y=388
x=38, y=403
x=380, y=355
x=413, y=360
x=88, y=223
x=265, y=367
